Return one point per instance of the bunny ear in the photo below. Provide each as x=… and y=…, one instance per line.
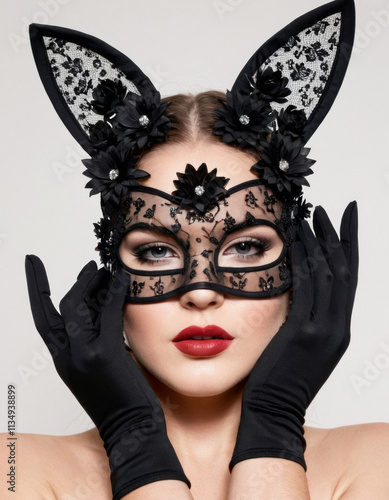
x=313, y=53
x=71, y=65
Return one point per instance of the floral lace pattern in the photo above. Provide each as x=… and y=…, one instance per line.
x=298, y=61
x=239, y=247
x=78, y=71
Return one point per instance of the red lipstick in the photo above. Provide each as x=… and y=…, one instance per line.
x=202, y=341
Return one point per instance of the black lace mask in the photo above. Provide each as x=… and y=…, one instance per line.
x=239, y=247
x=277, y=102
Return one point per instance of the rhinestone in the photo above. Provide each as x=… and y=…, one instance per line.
x=144, y=121
x=244, y=120
x=199, y=190
x=283, y=166
x=113, y=174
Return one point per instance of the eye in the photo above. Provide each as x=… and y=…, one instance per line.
x=140, y=249
x=154, y=251
x=257, y=246
x=246, y=248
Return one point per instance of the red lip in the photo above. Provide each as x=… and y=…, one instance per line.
x=185, y=342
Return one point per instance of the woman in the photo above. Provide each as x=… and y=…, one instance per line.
x=267, y=357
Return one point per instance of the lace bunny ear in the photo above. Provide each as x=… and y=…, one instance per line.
x=71, y=65
x=309, y=57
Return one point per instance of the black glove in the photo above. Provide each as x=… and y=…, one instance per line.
x=308, y=346
x=94, y=364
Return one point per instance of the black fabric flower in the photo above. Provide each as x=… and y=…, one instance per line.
x=243, y=119
x=199, y=189
x=292, y=120
x=301, y=209
x=271, y=85
x=101, y=135
x=107, y=95
x=140, y=122
x=102, y=232
x=284, y=164
x=112, y=173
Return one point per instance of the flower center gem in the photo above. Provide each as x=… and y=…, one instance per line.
x=113, y=174
x=144, y=121
x=199, y=190
x=244, y=120
x=283, y=166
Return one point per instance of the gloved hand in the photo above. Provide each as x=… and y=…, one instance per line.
x=308, y=346
x=102, y=375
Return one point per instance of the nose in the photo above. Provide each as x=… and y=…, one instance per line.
x=202, y=299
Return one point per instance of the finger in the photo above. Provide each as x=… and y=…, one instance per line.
x=349, y=236
x=330, y=243
x=91, y=267
x=335, y=257
x=96, y=294
x=111, y=317
x=320, y=272
x=302, y=291
x=79, y=310
x=47, y=320
x=349, y=240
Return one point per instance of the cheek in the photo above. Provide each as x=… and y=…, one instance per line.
x=262, y=319
x=258, y=322
x=137, y=323
x=145, y=327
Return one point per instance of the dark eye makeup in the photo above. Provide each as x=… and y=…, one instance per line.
x=154, y=253
x=247, y=248
x=255, y=246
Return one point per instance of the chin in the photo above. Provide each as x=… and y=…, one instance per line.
x=199, y=382
x=201, y=390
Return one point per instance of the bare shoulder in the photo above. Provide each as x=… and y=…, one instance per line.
x=356, y=457
x=51, y=467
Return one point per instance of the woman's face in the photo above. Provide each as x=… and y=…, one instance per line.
x=151, y=329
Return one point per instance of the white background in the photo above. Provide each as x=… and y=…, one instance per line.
x=184, y=46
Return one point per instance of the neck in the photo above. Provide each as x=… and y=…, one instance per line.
x=194, y=421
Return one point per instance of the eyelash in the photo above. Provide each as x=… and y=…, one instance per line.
x=141, y=252
x=258, y=244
